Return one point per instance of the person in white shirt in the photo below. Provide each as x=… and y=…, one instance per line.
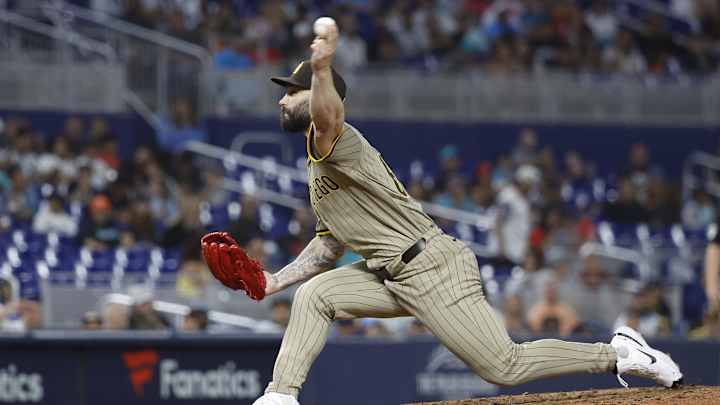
x=510, y=237
x=52, y=218
x=352, y=50
x=603, y=24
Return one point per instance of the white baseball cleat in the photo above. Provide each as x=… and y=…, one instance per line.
x=636, y=357
x=274, y=398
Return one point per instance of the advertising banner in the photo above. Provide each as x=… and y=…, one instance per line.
x=206, y=370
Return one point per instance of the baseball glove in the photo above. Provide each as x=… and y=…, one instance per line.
x=229, y=263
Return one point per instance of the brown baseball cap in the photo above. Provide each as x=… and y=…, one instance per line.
x=302, y=77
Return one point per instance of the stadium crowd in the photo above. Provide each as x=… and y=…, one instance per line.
x=542, y=209
x=600, y=36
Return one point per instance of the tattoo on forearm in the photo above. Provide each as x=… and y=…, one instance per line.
x=319, y=255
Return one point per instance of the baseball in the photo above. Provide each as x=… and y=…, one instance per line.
x=322, y=26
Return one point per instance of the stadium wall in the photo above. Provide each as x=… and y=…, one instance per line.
x=608, y=146
x=57, y=369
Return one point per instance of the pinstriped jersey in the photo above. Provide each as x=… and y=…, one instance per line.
x=357, y=198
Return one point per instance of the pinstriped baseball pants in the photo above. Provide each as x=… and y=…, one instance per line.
x=441, y=287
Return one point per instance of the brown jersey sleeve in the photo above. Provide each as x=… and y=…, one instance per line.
x=345, y=150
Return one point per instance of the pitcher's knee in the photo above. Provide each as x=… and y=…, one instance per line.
x=500, y=370
x=309, y=295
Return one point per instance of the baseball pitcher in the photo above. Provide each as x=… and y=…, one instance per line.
x=410, y=267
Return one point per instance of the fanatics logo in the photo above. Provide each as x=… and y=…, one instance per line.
x=141, y=365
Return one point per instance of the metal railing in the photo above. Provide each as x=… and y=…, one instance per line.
x=159, y=68
x=41, y=67
x=219, y=317
x=265, y=167
x=482, y=96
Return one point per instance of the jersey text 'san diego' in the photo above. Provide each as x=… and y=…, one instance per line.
x=357, y=199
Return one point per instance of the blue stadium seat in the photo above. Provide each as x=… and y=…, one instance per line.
x=172, y=260
x=138, y=260
x=623, y=235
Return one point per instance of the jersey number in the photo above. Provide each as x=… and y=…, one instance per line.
x=398, y=185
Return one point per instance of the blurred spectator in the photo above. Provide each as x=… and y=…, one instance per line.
x=545, y=162
x=22, y=198
x=106, y=151
x=436, y=35
x=142, y=13
x=374, y=328
x=641, y=170
x=482, y=197
x=91, y=320
x=181, y=128
x=345, y=328
x=502, y=173
x=625, y=208
x=456, y=195
x=193, y=278
x=410, y=34
x=529, y=285
x=659, y=45
x=526, y=149
x=624, y=56
x=74, y=133
x=142, y=314
x=514, y=312
x=552, y=316
x=280, y=312
x=186, y=224
x=577, y=187
x=195, y=321
x=226, y=55
x=560, y=232
x=501, y=27
x=6, y=301
x=29, y=315
x=99, y=128
x=247, y=226
x=645, y=314
x=256, y=248
x=417, y=328
x=699, y=211
x=449, y=167
x=710, y=329
x=59, y=160
x=351, y=48
x=301, y=230
x=596, y=301
x=6, y=295
x=82, y=190
x=603, y=24
x=663, y=203
x=510, y=237
x=52, y=218
x=100, y=231
x=214, y=192
x=141, y=224
x=115, y=316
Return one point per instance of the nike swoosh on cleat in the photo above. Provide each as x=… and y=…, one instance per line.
x=630, y=337
x=652, y=358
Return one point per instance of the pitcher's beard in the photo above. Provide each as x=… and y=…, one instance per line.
x=297, y=120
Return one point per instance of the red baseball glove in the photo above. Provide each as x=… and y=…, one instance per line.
x=229, y=263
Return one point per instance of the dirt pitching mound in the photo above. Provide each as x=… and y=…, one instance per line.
x=695, y=395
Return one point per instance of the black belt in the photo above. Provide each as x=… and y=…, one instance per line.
x=406, y=258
